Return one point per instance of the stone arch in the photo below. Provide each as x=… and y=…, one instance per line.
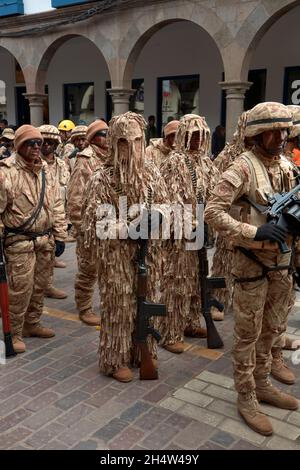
x=148, y=22
x=263, y=17
x=47, y=55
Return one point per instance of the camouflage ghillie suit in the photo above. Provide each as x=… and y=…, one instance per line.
x=179, y=286
x=29, y=256
x=125, y=173
x=87, y=162
x=157, y=151
x=261, y=296
x=222, y=259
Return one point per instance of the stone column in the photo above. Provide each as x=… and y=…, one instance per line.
x=235, y=95
x=36, y=104
x=120, y=98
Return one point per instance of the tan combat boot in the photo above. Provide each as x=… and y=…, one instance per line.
x=89, y=318
x=54, y=293
x=216, y=314
x=250, y=411
x=195, y=332
x=279, y=369
x=37, y=330
x=267, y=393
x=176, y=348
x=18, y=344
x=123, y=374
x=59, y=264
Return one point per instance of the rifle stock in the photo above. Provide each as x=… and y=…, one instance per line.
x=207, y=284
x=145, y=310
x=9, y=350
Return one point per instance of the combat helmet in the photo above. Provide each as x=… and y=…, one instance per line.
x=78, y=131
x=50, y=132
x=266, y=117
x=295, y=112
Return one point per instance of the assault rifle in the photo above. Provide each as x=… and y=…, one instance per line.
x=145, y=310
x=283, y=210
x=9, y=350
x=207, y=284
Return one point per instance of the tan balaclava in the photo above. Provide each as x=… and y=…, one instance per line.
x=130, y=163
x=188, y=124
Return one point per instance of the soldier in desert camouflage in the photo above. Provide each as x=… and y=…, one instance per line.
x=159, y=149
x=87, y=162
x=262, y=279
x=32, y=222
x=59, y=172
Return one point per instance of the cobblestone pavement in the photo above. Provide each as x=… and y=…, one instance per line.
x=53, y=397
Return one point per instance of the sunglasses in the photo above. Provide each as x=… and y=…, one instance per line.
x=49, y=142
x=101, y=134
x=33, y=142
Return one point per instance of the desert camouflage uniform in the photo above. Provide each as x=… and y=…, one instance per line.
x=222, y=259
x=28, y=261
x=139, y=180
x=260, y=302
x=180, y=281
x=157, y=151
x=87, y=162
x=59, y=173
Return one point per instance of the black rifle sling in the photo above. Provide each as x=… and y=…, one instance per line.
x=30, y=221
x=265, y=269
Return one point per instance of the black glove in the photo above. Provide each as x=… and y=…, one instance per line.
x=270, y=232
x=59, y=248
x=296, y=276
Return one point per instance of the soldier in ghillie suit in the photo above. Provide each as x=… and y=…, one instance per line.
x=87, y=162
x=126, y=172
x=222, y=260
x=159, y=149
x=262, y=279
x=180, y=286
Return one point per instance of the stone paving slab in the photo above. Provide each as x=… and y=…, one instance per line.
x=53, y=396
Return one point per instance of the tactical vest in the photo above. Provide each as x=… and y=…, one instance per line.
x=260, y=189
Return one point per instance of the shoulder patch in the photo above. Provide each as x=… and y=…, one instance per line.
x=232, y=177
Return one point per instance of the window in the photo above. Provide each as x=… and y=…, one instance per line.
x=177, y=96
x=3, y=110
x=79, y=102
x=11, y=7
x=291, y=92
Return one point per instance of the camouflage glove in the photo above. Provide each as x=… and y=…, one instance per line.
x=59, y=248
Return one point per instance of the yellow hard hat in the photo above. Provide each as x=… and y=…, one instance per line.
x=66, y=125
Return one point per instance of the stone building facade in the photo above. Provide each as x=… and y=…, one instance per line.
x=234, y=27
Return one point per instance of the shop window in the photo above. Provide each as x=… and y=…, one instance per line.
x=291, y=92
x=177, y=96
x=11, y=7
x=3, y=110
x=79, y=102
